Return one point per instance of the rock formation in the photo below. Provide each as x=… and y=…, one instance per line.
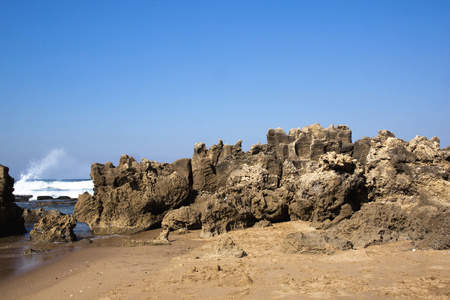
x=11, y=220
x=133, y=197
x=54, y=229
x=315, y=174
x=33, y=216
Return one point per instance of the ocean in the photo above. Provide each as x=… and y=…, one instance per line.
x=52, y=187
x=60, y=194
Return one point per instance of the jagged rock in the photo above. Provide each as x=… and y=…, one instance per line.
x=54, y=228
x=321, y=194
x=211, y=167
x=399, y=171
x=313, y=173
x=133, y=197
x=374, y=224
x=33, y=216
x=430, y=227
x=310, y=142
x=255, y=187
x=22, y=198
x=11, y=220
x=183, y=217
x=225, y=214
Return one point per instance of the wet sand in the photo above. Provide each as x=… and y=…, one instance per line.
x=189, y=268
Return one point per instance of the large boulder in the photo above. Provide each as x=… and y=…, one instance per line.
x=11, y=220
x=400, y=171
x=133, y=197
x=185, y=217
x=321, y=193
x=430, y=227
x=33, y=216
x=54, y=229
x=374, y=224
x=225, y=213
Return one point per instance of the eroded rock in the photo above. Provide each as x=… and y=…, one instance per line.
x=133, y=197
x=11, y=220
x=54, y=229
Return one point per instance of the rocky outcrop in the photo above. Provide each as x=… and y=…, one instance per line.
x=402, y=171
x=374, y=224
x=319, y=195
x=54, y=229
x=133, y=197
x=11, y=220
x=183, y=217
x=313, y=173
x=33, y=216
x=310, y=142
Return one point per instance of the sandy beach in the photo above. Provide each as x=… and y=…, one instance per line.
x=191, y=268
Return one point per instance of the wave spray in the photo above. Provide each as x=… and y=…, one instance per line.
x=37, y=168
x=32, y=182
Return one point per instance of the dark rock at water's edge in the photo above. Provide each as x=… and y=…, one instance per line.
x=11, y=220
x=357, y=194
x=22, y=198
x=44, y=198
x=133, y=197
x=33, y=216
x=58, y=198
x=54, y=229
x=55, y=202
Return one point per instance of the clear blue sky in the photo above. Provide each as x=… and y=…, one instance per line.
x=98, y=79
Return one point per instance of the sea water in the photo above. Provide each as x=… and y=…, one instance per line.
x=30, y=184
x=53, y=187
x=12, y=259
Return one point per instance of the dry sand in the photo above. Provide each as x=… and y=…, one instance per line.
x=189, y=268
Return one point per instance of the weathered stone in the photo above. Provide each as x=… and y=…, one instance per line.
x=133, y=197
x=310, y=142
x=430, y=227
x=183, y=217
x=374, y=224
x=33, y=216
x=321, y=194
x=225, y=214
x=313, y=173
x=54, y=228
x=401, y=171
x=11, y=220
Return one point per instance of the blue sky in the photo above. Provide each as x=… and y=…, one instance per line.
x=97, y=79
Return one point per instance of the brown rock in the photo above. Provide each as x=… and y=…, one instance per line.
x=11, y=219
x=133, y=197
x=54, y=228
x=183, y=217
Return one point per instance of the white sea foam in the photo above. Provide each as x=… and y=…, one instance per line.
x=37, y=168
x=31, y=183
x=54, y=188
